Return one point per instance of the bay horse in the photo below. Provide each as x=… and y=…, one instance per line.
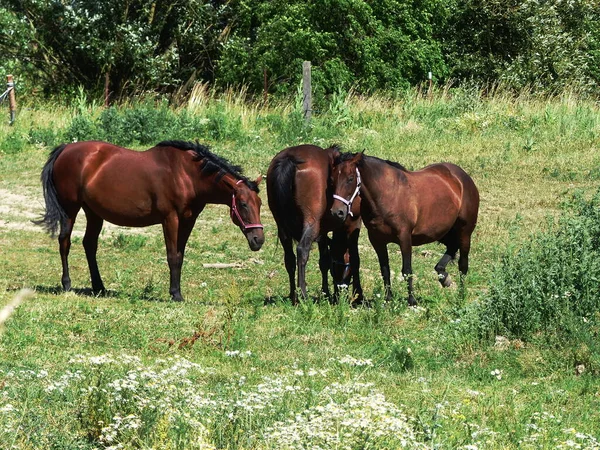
x=169, y=184
x=437, y=203
x=300, y=196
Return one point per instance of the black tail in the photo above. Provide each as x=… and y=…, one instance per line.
x=282, y=196
x=55, y=215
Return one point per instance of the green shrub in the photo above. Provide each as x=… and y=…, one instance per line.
x=81, y=128
x=143, y=124
x=13, y=143
x=551, y=284
x=47, y=136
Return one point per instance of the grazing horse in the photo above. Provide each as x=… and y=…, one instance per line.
x=299, y=193
x=169, y=184
x=437, y=203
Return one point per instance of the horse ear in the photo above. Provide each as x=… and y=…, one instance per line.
x=259, y=179
x=358, y=158
x=332, y=156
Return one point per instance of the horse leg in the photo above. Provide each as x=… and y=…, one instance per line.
x=407, y=273
x=64, y=246
x=463, y=259
x=324, y=265
x=311, y=231
x=174, y=256
x=90, y=244
x=355, y=266
x=440, y=267
x=289, y=259
x=384, y=266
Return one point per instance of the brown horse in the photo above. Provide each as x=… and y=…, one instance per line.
x=169, y=184
x=438, y=203
x=299, y=192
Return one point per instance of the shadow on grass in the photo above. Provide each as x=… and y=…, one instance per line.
x=87, y=292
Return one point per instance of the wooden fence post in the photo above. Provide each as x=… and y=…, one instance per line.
x=12, y=102
x=430, y=85
x=306, y=90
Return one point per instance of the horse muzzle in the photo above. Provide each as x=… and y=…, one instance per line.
x=339, y=213
x=256, y=239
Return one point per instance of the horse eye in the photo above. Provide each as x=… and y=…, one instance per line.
x=350, y=179
x=244, y=205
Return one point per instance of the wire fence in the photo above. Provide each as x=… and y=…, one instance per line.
x=5, y=94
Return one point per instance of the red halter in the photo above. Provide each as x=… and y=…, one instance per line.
x=235, y=213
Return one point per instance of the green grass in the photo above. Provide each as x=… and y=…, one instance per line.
x=236, y=366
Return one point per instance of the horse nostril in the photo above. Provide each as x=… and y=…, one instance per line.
x=257, y=242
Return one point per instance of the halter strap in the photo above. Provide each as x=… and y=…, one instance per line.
x=348, y=203
x=236, y=213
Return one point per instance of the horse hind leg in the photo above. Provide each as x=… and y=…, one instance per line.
x=443, y=276
x=64, y=247
x=384, y=266
x=90, y=244
x=309, y=235
x=289, y=259
x=463, y=260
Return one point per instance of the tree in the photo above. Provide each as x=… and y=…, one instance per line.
x=388, y=44
x=139, y=44
x=545, y=44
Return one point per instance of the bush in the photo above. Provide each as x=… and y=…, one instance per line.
x=13, y=143
x=550, y=285
x=81, y=128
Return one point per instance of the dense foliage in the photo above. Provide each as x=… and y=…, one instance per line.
x=549, y=286
x=145, y=45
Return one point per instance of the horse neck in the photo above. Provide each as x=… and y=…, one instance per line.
x=369, y=176
x=378, y=178
x=223, y=189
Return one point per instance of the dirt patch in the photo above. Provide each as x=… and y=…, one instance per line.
x=18, y=210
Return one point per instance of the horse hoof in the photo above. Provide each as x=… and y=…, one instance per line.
x=177, y=298
x=99, y=290
x=412, y=301
x=447, y=282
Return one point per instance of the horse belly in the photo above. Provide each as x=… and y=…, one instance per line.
x=434, y=223
x=119, y=203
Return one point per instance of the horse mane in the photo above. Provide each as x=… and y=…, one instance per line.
x=212, y=163
x=348, y=155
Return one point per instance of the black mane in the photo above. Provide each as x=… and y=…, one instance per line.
x=213, y=163
x=347, y=156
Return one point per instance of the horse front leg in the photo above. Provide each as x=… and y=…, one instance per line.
x=384, y=266
x=355, y=266
x=407, y=273
x=324, y=265
x=171, y=230
x=90, y=244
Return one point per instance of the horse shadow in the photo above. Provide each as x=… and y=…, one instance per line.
x=85, y=292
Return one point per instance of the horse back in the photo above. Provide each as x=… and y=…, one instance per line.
x=446, y=197
x=122, y=186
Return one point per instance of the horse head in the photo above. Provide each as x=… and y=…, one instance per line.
x=346, y=182
x=245, y=212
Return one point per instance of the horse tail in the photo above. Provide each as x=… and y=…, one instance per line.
x=282, y=195
x=55, y=214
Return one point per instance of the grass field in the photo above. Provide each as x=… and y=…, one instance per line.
x=236, y=366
